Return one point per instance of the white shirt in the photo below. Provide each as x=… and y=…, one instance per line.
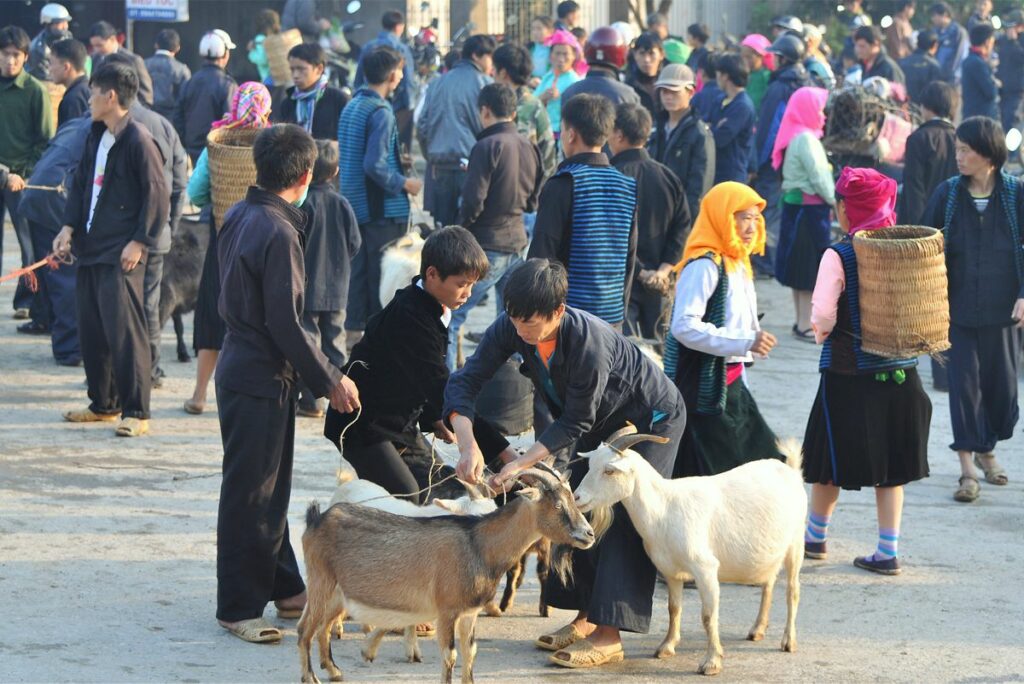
x=696, y=284
x=446, y=313
x=106, y=142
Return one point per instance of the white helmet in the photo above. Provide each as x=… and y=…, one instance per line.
x=53, y=12
x=625, y=30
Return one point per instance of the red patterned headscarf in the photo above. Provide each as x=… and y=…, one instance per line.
x=250, y=108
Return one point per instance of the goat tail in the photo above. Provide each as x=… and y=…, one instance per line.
x=793, y=451
x=601, y=519
x=313, y=516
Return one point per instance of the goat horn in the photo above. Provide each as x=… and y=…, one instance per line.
x=542, y=475
x=630, y=440
x=630, y=429
x=541, y=465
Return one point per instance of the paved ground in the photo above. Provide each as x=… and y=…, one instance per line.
x=107, y=556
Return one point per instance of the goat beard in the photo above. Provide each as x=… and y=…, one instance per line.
x=562, y=554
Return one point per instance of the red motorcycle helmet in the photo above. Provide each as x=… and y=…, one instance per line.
x=605, y=46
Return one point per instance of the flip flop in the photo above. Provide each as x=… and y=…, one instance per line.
x=804, y=335
x=556, y=641
x=994, y=474
x=968, y=491
x=583, y=654
x=255, y=631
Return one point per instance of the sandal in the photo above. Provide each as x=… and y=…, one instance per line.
x=968, y=491
x=88, y=416
x=255, y=631
x=556, y=641
x=804, y=335
x=584, y=654
x=132, y=427
x=994, y=474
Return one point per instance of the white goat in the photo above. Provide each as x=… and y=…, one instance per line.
x=399, y=264
x=740, y=526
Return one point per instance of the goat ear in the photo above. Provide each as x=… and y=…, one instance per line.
x=443, y=503
x=617, y=464
x=531, y=493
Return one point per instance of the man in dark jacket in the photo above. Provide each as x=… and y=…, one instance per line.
x=302, y=15
x=311, y=102
x=594, y=381
x=920, y=67
x=262, y=284
x=448, y=125
x=606, y=55
x=103, y=41
x=953, y=41
x=648, y=58
x=874, y=62
x=512, y=67
x=683, y=142
x=980, y=89
x=663, y=219
x=67, y=68
x=208, y=94
x=1010, y=71
x=503, y=180
x=393, y=23
x=117, y=207
x=732, y=123
x=931, y=154
x=168, y=74
x=54, y=19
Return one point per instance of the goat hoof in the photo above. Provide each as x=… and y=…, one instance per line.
x=544, y=612
x=665, y=651
x=492, y=610
x=755, y=636
x=415, y=658
x=337, y=677
x=789, y=644
x=184, y=358
x=368, y=657
x=310, y=679
x=710, y=666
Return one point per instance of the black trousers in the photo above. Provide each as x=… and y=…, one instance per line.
x=113, y=337
x=23, y=297
x=614, y=580
x=151, y=299
x=445, y=188
x=255, y=561
x=364, y=280
x=55, y=300
x=382, y=464
x=982, y=371
x=643, y=315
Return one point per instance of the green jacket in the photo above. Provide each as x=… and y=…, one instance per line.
x=533, y=122
x=26, y=123
x=757, y=86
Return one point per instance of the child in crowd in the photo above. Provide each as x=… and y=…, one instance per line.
x=541, y=29
x=268, y=23
x=332, y=239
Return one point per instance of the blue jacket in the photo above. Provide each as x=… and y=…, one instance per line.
x=56, y=167
x=732, y=125
x=783, y=84
x=980, y=92
x=370, y=175
x=403, y=95
x=952, y=47
x=449, y=122
x=707, y=101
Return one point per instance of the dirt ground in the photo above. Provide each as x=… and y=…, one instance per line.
x=107, y=551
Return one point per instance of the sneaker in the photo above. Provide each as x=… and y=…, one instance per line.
x=815, y=550
x=34, y=328
x=21, y=314
x=889, y=566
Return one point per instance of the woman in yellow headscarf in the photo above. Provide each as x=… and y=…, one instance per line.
x=715, y=334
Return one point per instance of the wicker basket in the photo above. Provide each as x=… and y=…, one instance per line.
x=56, y=92
x=904, y=301
x=277, y=46
x=232, y=169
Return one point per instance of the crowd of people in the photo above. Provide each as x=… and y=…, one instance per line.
x=600, y=186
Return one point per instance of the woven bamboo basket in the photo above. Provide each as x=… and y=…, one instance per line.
x=277, y=46
x=56, y=92
x=232, y=169
x=904, y=301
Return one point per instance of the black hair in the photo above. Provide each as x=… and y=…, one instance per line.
x=268, y=22
x=980, y=33
x=648, y=41
x=516, y=61
x=380, y=63
x=499, y=98
x=709, y=66
x=71, y=51
x=453, y=250
x=566, y=8
x=282, y=154
x=634, y=122
x=733, y=68
x=392, y=18
x=118, y=76
x=984, y=136
x=14, y=36
x=656, y=19
x=326, y=166
x=545, y=20
x=926, y=40
x=940, y=98
x=591, y=116
x=940, y=8
x=310, y=53
x=537, y=287
x=904, y=4
x=870, y=34
x=699, y=31
x=479, y=45
x=580, y=33
x=102, y=29
x=168, y=39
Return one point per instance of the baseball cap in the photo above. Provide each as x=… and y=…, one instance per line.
x=1015, y=18
x=215, y=44
x=675, y=77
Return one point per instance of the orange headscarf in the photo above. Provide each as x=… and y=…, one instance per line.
x=715, y=228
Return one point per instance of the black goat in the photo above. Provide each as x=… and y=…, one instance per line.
x=183, y=267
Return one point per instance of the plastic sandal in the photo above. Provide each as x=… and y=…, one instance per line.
x=132, y=427
x=87, y=416
x=556, y=641
x=968, y=491
x=994, y=474
x=255, y=631
x=584, y=654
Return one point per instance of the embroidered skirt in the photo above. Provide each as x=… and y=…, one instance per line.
x=866, y=433
x=804, y=235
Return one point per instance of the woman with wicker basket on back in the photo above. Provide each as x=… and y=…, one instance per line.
x=250, y=108
x=980, y=213
x=869, y=423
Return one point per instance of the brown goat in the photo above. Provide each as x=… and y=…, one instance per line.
x=393, y=571
x=514, y=579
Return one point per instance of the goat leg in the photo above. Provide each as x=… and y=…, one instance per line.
x=761, y=624
x=179, y=333
x=543, y=559
x=667, y=649
x=334, y=611
x=412, y=645
x=705, y=574
x=794, y=559
x=369, y=651
x=446, y=642
x=513, y=580
x=467, y=642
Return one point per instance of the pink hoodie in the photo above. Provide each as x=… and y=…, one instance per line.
x=805, y=112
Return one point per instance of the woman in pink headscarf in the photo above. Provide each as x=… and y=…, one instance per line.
x=761, y=64
x=808, y=194
x=869, y=423
x=565, y=55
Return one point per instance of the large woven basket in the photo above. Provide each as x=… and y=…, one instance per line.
x=277, y=46
x=232, y=169
x=56, y=92
x=904, y=301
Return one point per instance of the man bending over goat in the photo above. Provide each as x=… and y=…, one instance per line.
x=594, y=381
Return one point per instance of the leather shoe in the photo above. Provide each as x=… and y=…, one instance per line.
x=34, y=328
